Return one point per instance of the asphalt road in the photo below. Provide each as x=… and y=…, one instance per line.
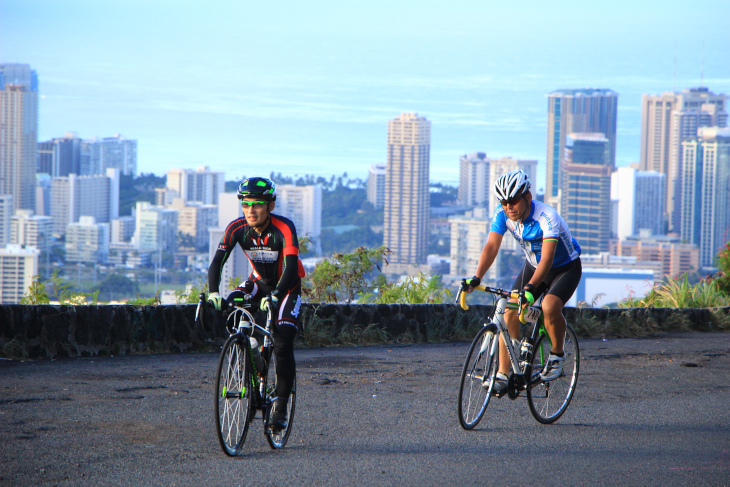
x=651, y=411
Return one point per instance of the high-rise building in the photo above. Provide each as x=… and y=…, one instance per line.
x=376, y=185
x=110, y=152
x=60, y=156
x=577, y=110
x=6, y=213
x=638, y=202
x=585, y=204
x=122, y=229
x=474, y=188
x=46, y=157
x=407, y=205
x=18, y=133
x=19, y=265
x=706, y=192
x=74, y=196
x=201, y=185
x=194, y=221
x=303, y=206
x=31, y=230
x=155, y=228
x=87, y=241
x=666, y=121
x=468, y=236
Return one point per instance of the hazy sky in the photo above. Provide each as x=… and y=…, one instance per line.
x=308, y=87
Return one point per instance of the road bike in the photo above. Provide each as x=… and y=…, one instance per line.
x=246, y=378
x=547, y=400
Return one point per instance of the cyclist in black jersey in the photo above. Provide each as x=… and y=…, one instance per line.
x=271, y=246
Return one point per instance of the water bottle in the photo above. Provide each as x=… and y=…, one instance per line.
x=257, y=360
x=525, y=349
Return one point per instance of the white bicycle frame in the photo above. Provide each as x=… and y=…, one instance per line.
x=532, y=314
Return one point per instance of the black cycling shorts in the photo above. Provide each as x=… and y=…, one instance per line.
x=561, y=281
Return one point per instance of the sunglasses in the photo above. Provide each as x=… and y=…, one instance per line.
x=257, y=205
x=511, y=201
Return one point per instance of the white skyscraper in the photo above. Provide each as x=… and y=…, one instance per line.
x=706, y=192
x=468, y=236
x=110, y=152
x=201, y=185
x=155, y=228
x=639, y=201
x=19, y=264
x=31, y=230
x=87, y=241
x=74, y=196
x=407, y=205
x=376, y=185
x=303, y=206
x=473, y=179
x=122, y=229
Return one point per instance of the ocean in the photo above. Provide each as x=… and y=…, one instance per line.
x=251, y=95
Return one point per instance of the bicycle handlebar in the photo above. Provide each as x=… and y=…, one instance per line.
x=498, y=292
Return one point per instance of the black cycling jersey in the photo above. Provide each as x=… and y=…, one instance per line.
x=274, y=254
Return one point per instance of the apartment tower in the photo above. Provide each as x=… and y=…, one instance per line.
x=705, y=216
x=666, y=121
x=407, y=206
x=18, y=133
x=578, y=110
x=586, y=194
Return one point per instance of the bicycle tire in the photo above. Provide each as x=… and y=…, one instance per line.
x=277, y=439
x=233, y=407
x=479, y=370
x=549, y=400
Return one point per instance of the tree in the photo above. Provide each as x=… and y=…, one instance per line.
x=116, y=286
x=344, y=276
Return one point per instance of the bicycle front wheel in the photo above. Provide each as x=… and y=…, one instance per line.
x=549, y=400
x=277, y=439
x=233, y=391
x=477, y=377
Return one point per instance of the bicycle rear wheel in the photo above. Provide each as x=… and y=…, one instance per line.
x=233, y=391
x=477, y=377
x=277, y=439
x=549, y=400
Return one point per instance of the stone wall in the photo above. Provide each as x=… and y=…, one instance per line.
x=48, y=331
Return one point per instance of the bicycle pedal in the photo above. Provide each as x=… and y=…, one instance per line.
x=499, y=394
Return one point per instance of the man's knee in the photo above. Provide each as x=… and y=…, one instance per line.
x=552, y=305
x=284, y=333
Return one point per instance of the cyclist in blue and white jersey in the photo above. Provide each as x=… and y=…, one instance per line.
x=552, y=267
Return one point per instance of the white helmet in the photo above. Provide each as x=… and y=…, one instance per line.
x=512, y=184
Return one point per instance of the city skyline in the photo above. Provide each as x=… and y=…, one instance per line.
x=269, y=87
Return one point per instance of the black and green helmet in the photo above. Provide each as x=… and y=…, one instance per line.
x=257, y=188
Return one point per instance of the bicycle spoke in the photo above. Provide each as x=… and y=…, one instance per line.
x=549, y=400
x=475, y=388
x=232, y=401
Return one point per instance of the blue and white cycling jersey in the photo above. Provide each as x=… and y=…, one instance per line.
x=543, y=224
